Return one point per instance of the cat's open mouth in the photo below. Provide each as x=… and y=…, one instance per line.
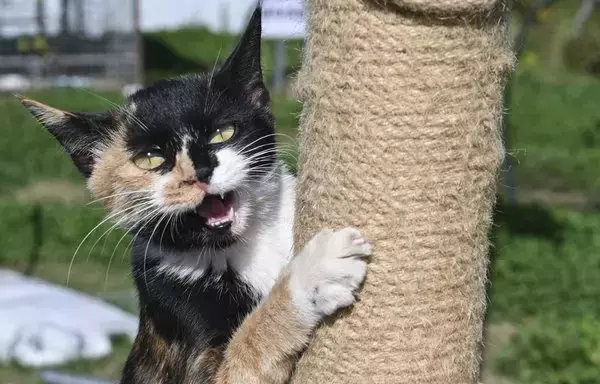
x=217, y=211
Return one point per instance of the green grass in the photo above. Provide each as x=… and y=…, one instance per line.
x=28, y=152
x=190, y=49
x=554, y=350
x=544, y=281
x=555, y=131
x=60, y=229
x=547, y=261
x=203, y=46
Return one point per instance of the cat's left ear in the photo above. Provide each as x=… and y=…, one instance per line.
x=243, y=66
x=80, y=134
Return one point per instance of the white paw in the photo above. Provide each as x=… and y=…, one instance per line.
x=327, y=273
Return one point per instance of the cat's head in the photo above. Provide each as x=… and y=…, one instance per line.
x=183, y=157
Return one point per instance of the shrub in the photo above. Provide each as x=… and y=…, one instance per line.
x=583, y=54
x=552, y=350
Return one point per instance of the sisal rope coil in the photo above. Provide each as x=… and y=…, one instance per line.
x=400, y=137
x=444, y=8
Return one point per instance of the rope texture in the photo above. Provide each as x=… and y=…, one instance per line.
x=400, y=136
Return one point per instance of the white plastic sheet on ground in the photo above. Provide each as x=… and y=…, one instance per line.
x=42, y=324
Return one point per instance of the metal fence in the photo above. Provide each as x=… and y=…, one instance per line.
x=70, y=42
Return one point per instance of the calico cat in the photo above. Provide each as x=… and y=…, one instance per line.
x=188, y=167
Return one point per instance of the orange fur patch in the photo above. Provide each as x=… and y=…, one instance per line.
x=265, y=347
x=182, y=189
x=115, y=174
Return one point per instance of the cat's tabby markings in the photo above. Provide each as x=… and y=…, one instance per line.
x=188, y=166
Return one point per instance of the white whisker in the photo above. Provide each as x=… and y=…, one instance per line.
x=118, y=222
x=210, y=79
x=163, y=233
x=145, y=223
x=120, y=108
x=148, y=245
x=241, y=150
x=121, y=194
x=111, y=259
x=107, y=218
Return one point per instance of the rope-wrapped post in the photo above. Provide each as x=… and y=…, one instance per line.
x=400, y=137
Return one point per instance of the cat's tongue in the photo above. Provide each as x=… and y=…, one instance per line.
x=217, y=211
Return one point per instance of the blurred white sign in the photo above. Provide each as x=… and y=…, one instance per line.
x=283, y=19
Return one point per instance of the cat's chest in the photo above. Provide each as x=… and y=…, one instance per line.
x=255, y=265
x=197, y=315
x=260, y=268
x=220, y=303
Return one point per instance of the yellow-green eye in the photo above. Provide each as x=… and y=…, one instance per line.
x=148, y=161
x=222, y=135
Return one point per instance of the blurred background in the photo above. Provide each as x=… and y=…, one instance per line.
x=543, y=323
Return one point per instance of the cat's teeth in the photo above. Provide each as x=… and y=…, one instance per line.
x=222, y=220
x=222, y=196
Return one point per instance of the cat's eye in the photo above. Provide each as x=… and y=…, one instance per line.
x=148, y=161
x=222, y=135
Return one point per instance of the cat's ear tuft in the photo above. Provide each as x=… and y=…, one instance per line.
x=78, y=133
x=243, y=66
x=45, y=114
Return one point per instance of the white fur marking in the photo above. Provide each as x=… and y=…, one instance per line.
x=230, y=173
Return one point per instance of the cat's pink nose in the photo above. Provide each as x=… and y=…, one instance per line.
x=201, y=185
x=197, y=183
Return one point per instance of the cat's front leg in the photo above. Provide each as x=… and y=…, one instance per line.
x=323, y=278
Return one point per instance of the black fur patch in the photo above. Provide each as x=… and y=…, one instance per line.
x=184, y=326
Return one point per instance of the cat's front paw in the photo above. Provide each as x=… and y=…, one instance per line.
x=328, y=272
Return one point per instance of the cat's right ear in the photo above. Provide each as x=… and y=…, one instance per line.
x=78, y=133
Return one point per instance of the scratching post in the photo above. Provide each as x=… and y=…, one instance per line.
x=400, y=136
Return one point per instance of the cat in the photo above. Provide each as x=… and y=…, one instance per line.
x=188, y=166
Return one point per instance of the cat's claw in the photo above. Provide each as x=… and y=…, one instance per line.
x=327, y=274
